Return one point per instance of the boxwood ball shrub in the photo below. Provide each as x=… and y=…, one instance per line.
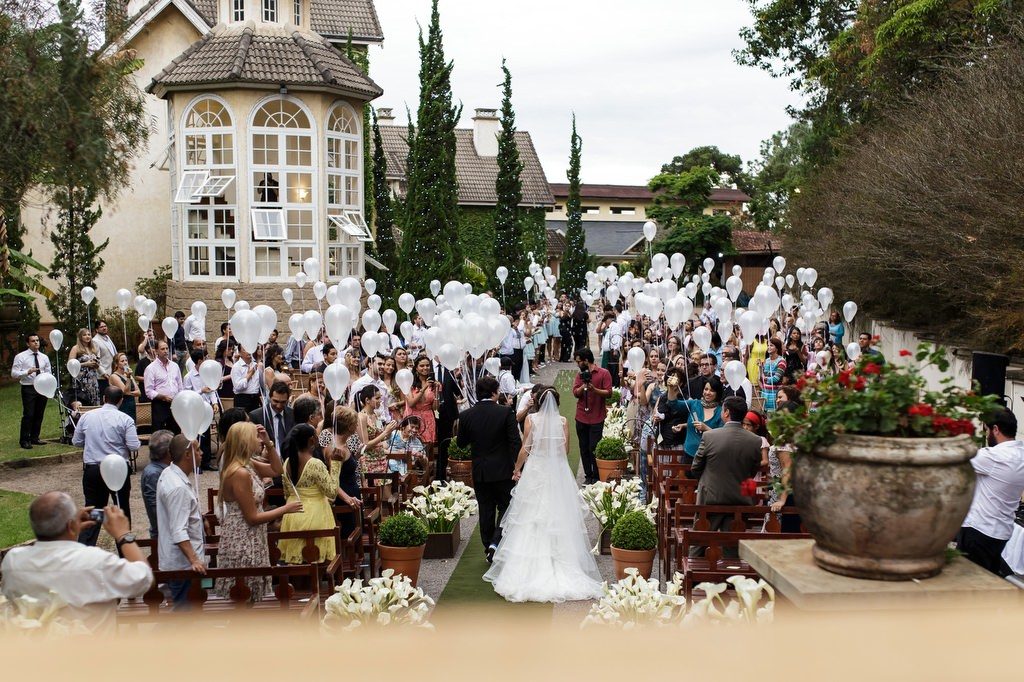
x=402, y=530
x=635, y=532
x=610, y=448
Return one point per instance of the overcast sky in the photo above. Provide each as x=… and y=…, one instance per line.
x=648, y=79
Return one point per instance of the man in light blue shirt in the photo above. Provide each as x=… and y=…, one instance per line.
x=102, y=432
x=180, y=544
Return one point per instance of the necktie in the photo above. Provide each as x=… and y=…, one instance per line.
x=35, y=359
x=279, y=432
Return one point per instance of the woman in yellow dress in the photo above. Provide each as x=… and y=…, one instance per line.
x=755, y=357
x=308, y=480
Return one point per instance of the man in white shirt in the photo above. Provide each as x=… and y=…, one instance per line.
x=506, y=382
x=513, y=344
x=374, y=368
x=163, y=381
x=27, y=365
x=419, y=337
x=997, y=493
x=194, y=329
x=180, y=543
x=91, y=581
x=246, y=375
x=194, y=382
x=106, y=352
x=313, y=359
x=102, y=432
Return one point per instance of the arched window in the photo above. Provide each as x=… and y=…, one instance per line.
x=211, y=238
x=283, y=189
x=344, y=191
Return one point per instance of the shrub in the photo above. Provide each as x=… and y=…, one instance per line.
x=402, y=530
x=458, y=453
x=635, y=532
x=610, y=449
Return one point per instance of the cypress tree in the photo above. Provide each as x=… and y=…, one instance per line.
x=430, y=242
x=385, y=248
x=509, y=245
x=574, y=267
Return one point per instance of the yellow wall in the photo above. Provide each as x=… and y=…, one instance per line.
x=605, y=209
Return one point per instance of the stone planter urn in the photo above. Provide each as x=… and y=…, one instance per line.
x=884, y=508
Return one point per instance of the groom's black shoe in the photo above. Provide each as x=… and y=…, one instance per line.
x=489, y=553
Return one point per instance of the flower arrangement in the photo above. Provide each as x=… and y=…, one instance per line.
x=442, y=505
x=609, y=502
x=635, y=532
x=459, y=453
x=634, y=602
x=31, y=616
x=402, y=530
x=615, y=424
x=613, y=398
x=610, y=449
x=880, y=399
x=388, y=600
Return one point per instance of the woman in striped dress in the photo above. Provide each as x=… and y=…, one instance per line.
x=772, y=370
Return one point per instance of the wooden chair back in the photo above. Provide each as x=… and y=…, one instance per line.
x=744, y=517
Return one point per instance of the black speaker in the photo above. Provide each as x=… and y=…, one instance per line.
x=989, y=370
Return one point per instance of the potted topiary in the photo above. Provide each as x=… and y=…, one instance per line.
x=401, y=539
x=460, y=463
x=611, y=458
x=881, y=466
x=634, y=539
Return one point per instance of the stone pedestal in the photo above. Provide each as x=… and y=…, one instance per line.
x=787, y=565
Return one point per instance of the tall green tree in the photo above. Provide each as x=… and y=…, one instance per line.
x=729, y=166
x=574, y=266
x=509, y=242
x=430, y=241
x=76, y=260
x=384, y=219
x=777, y=176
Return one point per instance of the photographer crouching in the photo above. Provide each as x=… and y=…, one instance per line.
x=592, y=385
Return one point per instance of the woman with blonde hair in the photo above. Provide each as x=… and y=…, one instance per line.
x=243, y=529
x=334, y=436
x=87, y=384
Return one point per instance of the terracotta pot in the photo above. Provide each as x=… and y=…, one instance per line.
x=404, y=560
x=461, y=470
x=610, y=468
x=642, y=560
x=884, y=508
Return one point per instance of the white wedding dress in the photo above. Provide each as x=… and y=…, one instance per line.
x=544, y=554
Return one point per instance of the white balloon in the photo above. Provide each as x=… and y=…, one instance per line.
x=636, y=357
x=227, y=297
x=810, y=276
x=454, y=294
x=170, y=327
x=371, y=320
x=245, y=327
x=404, y=380
x=492, y=365
x=735, y=373
x=853, y=351
x=779, y=263
x=528, y=283
x=188, y=407
x=849, y=311
x=88, y=294
x=211, y=373
x=737, y=270
x=800, y=275
x=390, y=318
x=650, y=230
x=123, y=297
x=74, y=368
x=56, y=339
x=502, y=274
x=199, y=311
x=338, y=321
x=349, y=292
x=407, y=302
x=612, y=294
x=139, y=303
x=301, y=279
x=435, y=287
x=336, y=379
x=659, y=262
x=371, y=286
x=319, y=290
x=790, y=281
x=149, y=308
x=702, y=337
x=374, y=302
x=242, y=305
x=312, y=268
x=677, y=262
x=734, y=285
x=370, y=344
x=268, y=321
x=427, y=309
x=45, y=384
x=407, y=329
x=143, y=322
x=288, y=296
x=449, y=356
x=114, y=471
x=825, y=297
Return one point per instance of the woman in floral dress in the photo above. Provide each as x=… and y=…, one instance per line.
x=87, y=383
x=243, y=523
x=372, y=434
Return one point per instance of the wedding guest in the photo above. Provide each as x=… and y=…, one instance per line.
x=372, y=432
x=193, y=381
x=277, y=415
x=308, y=481
x=27, y=365
x=755, y=422
x=180, y=544
x=159, y=459
x=997, y=494
x=705, y=414
x=590, y=393
x=423, y=399
x=836, y=328
x=276, y=367
x=147, y=355
x=293, y=351
x=105, y=354
x=405, y=441
x=313, y=356
x=334, y=438
x=396, y=401
x=773, y=369
x=374, y=368
x=86, y=384
x=867, y=350
x=90, y=581
x=245, y=380
x=401, y=357
x=163, y=382
x=102, y=432
x=121, y=377
x=243, y=523
x=330, y=354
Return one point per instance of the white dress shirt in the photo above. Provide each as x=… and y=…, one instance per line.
x=90, y=580
x=506, y=382
x=106, y=431
x=314, y=358
x=241, y=382
x=178, y=518
x=194, y=330
x=997, y=492
x=23, y=362
x=105, y=352
x=194, y=382
x=613, y=330
x=418, y=341
x=385, y=395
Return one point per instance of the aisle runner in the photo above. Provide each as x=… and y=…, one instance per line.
x=466, y=587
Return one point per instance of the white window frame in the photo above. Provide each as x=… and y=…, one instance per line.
x=215, y=180
x=268, y=224
x=270, y=11
x=237, y=10
x=191, y=182
x=346, y=254
x=297, y=11
x=281, y=169
x=356, y=218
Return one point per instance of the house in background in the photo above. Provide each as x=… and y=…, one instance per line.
x=476, y=169
x=255, y=160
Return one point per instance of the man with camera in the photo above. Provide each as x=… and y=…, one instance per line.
x=592, y=385
x=91, y=581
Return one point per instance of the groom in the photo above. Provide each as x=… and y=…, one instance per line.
x=491, y=432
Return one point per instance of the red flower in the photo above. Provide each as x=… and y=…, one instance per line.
x=921, y=410
x=844, y=377
x=801, y=384
x=905, y=353
x=861, y=384
x=872, y=368
x=748, y=488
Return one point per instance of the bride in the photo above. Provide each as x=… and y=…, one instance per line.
x=544, y=553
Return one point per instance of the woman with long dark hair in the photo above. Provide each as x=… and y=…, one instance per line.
x=370, y=432
x=423, y=399
x=773, y=369
x=307, y=480
x=705, y=414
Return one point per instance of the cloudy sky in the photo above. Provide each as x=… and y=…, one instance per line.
x=648, y=79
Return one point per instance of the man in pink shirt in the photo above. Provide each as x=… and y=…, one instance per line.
x=592, y=385
x=163, y=382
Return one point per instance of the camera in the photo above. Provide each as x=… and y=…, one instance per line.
x=586, y=375
x=97, y=516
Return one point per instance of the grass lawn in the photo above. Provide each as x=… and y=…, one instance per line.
x=14, y=526
x=10, y=428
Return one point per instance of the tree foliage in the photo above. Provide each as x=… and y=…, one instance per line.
x=76, y=259
x=508, y=228
x=919, y=221
x=777, y=175
x=384, y=219
x=574, y=267
x=430, y=244
x=728, y=166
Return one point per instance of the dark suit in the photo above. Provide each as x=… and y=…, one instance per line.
x=447, y=414
x=261, y=416
x=491, y=432
x=726, y=457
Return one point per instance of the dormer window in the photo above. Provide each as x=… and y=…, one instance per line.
x=237, y=10
x=270, y=11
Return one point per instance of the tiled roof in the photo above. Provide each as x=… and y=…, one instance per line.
x=752, y=241
x=207, y=9
x=334, y=19
x=557, y=244
x=257, y=53
x=638, y=192
x=605, y=237
x=476, y=174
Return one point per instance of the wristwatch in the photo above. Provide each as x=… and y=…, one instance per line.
x=125, y=539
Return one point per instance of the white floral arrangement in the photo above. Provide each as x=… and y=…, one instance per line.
x=615, y=424
x=609, y=502
x=634, y=602
x=31, y=616
x=442, y=505
x=388, y=600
